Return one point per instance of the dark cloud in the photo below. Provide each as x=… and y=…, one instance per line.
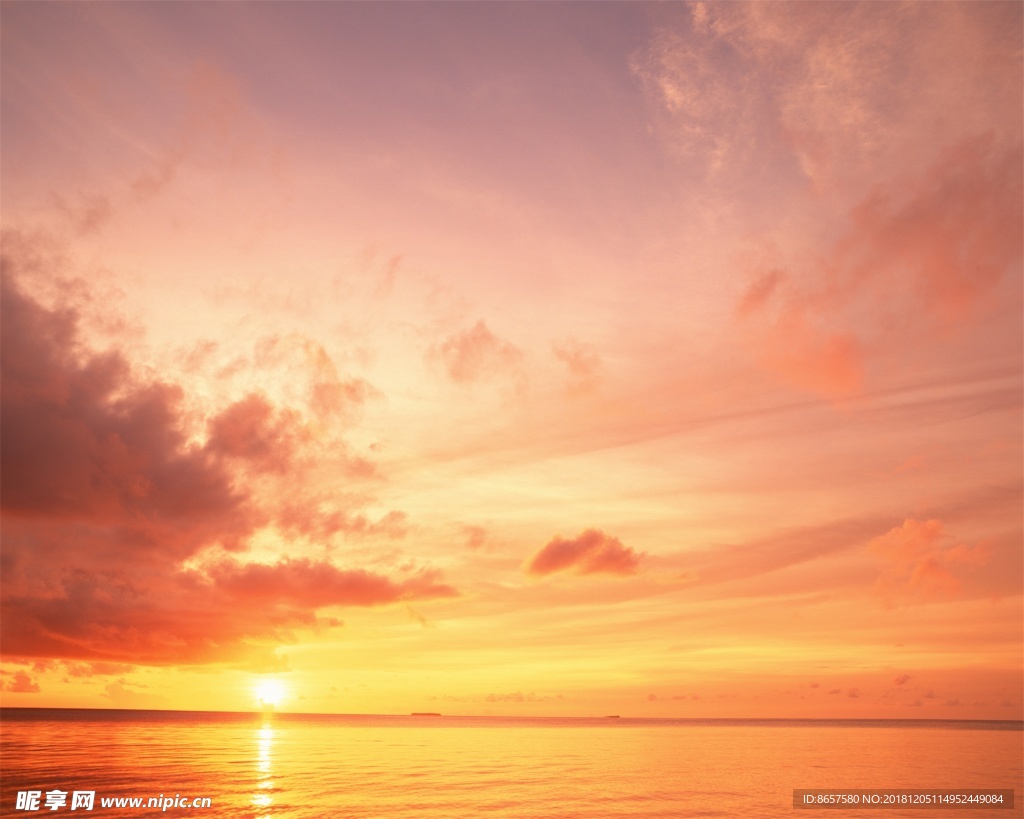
x=86, y=446
x=228, y=612
x=105, y=495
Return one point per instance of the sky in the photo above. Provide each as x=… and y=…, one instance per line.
x=661, y=360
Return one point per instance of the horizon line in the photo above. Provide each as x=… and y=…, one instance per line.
x=263, y=714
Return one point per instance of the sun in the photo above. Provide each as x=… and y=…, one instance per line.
x=269, y=691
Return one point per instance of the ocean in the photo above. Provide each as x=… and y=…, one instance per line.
x=304, y=766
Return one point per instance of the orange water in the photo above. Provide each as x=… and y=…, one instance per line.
x=433, y=767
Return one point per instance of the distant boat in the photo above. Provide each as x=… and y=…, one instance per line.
x=424, y=714
x=612, y=716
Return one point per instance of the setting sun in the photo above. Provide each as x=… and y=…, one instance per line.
x=269, y=692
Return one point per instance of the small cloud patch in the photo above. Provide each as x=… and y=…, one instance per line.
x=590, y=552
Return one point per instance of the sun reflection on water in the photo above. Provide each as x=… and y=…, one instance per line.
x=262, y=799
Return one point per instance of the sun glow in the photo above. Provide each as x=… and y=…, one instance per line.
x=269, y=692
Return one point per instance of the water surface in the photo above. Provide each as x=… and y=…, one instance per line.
x=401, y=767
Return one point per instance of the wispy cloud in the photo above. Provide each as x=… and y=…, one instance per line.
x=477, y=354
x=918, y=258
x=583, y=365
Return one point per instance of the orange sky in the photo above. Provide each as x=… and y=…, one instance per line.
x=661, y=360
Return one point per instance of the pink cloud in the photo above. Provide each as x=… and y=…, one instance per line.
x=955, y=235
x=86, y=215
x=217, y=125
x=228, y=612
x=321, y=522
x=735, y=84
x=334, y=397
x=477, y=354
x=583, y=364
x=919, y=258
x=250, y=430
x=476, y=536
x=760, y=291
x=813, y=357
x=743, y=565
x=917, y=562
x=198, y=356
x=591, y=552
x=312, y=585
x=22, y=684
x=702, y=101
x=330, y=397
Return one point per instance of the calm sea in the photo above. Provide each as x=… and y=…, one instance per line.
x=393, y=767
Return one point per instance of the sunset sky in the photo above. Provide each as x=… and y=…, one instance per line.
x=513, y=358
